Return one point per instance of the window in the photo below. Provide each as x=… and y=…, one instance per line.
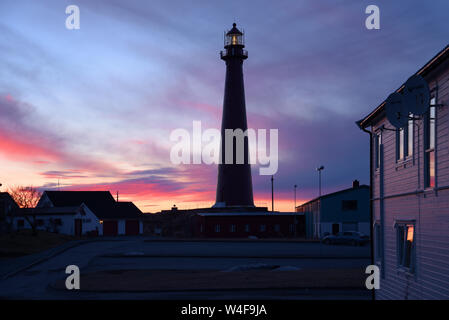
x=400, y=144
x=232, y=228
x=405, y=245
x=404, y=140
x=349, y=205
x=246, y=227
x=378, y=142
x=410, y=135
x=429, y=149
x=217, y=228
x=277, y=228
x=201, y=227
x=263, y=228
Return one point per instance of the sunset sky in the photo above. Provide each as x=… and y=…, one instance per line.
x=94, y=107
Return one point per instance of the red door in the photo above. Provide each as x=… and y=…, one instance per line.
x=132, y=227
x=78, y=227
x=110, y=228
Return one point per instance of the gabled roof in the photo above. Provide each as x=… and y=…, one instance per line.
x=101, y=203
x=76, y=198
x=361, y=187
x=425, y=70
x=117, y=210
x=6, y=197
x=51, y=211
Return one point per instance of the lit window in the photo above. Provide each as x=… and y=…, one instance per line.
x=405, y=245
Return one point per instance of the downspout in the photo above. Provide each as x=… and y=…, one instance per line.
x=370, y=196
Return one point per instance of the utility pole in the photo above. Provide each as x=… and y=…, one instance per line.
x=272, y=194
x=117, y=196
x=294, y=187
x=296, y=221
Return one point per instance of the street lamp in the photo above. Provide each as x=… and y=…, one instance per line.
x=319, y=169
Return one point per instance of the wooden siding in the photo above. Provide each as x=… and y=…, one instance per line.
x=405, y=198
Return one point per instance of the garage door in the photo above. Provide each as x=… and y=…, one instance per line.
x=110, y=228
x=132, y=227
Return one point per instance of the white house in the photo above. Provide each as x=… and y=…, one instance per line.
x=64, y=220
x=82, y=213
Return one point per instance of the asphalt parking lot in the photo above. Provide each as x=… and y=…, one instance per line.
x=38, y=281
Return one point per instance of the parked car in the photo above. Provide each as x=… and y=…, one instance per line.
x=346, y=237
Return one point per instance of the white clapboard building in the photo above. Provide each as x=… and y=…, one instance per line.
x=81, y=213
x=410, y=187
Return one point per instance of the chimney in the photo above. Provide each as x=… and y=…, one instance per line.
x=355, y=184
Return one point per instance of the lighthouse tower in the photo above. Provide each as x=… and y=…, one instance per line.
x=234, y=187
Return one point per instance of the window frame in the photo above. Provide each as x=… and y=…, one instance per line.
x=429, y=149
x=377, y=144
x=402, y=232
x=347, y=205
x=400, y=139
x=409, y=139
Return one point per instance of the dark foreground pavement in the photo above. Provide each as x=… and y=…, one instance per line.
x=135, y=268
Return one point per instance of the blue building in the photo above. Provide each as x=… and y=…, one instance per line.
x=344, y=210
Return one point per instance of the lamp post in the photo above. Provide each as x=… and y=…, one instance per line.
x=319, y=169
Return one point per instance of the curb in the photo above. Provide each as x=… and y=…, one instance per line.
x=231, y=240
x=229, y=256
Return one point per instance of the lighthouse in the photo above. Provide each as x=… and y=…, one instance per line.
x=234, y=186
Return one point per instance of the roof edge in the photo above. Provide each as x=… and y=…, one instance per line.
x=443, y=54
